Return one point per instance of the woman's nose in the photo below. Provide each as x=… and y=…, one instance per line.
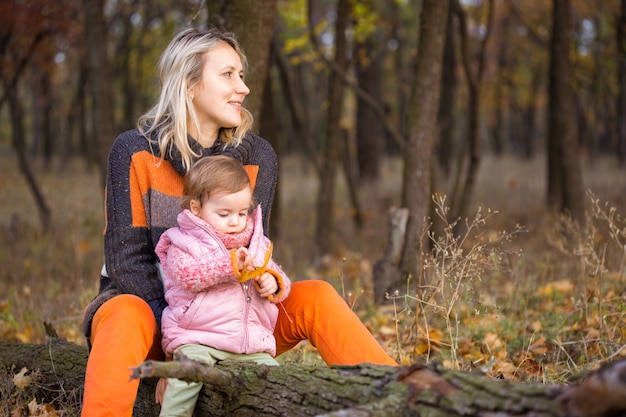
x=242, y=88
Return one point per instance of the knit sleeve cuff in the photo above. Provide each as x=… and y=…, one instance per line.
x=280, y=294
x=236, y=272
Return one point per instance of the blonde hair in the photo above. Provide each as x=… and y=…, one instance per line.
x=213, y=174
x=180, y=69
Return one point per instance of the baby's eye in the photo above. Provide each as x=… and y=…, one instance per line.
x=243, y=214
x=223, y=215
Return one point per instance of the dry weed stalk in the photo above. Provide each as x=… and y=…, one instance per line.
x=450, y=263
x=599, y=245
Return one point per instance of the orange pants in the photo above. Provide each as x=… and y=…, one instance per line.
x=124, y=334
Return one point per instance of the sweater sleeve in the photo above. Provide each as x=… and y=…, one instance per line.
x=128, y=247
x=194, y=274
x=284, y=284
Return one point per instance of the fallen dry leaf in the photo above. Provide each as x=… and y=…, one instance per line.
x=21, y=380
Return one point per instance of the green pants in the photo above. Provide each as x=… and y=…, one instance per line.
x=180, y=396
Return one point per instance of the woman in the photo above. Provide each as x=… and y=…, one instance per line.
x=198, y=113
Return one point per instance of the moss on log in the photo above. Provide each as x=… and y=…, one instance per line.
x=248, y=389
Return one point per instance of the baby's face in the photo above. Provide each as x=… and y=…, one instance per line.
x=226, y=212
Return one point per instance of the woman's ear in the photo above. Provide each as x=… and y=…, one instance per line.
x=194, y=206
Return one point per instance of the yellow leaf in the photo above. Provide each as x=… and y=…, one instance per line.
x=592, y=334
x=425, y=347
x=465, y=346
x=495, y=346
x=476, y=356
x=25, y=335
x=33, y=408
x=539, y=347
x=435, y=336
x=492, y=341
x=507, y=370
x=406, y=361
x=21, y=380
x=563, y=286
x=49, y=411
x=387, y=330
x=422, y=348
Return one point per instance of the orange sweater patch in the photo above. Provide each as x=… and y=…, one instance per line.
x=148, y=172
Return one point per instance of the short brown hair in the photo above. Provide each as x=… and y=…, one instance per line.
x=211, y=174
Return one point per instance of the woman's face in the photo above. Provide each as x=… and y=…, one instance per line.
x=218, y=97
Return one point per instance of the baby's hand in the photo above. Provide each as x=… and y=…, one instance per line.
x=244, y=259
x=266, y=285
x=160, y=390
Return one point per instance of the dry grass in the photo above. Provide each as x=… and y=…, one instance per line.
x=540, y=305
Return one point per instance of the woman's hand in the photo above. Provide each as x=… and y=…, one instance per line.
x=267, y=284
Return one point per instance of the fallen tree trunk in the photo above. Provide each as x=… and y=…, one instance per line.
x=248, y=389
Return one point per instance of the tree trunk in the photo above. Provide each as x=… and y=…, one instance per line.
x=369, y=129
x=324, y=234
x=474, y=81
x=621, y=76
x=291, y=87
x=350, y=163
x=18, y=141
x=445, y=147
x=422, y=131
x=386, y=272
x=565, y=188
x=41, y=125
x=99, y=82
x=268, y=128
x=249, y=389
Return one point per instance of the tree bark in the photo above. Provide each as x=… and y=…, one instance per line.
x=565, y=186
x=100, y=85
x=369, y=129
x=474, y=84
x=445, y=146
x=387, y=270
x=621, y=76
x=325, y=229
x=18, y=141
x=249, y=389
x=416, y=193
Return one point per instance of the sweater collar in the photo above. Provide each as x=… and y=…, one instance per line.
x=173, y=155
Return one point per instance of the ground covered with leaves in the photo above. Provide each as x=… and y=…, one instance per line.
x=512, y=291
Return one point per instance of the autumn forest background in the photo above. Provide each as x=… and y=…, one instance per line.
x=456, y=169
